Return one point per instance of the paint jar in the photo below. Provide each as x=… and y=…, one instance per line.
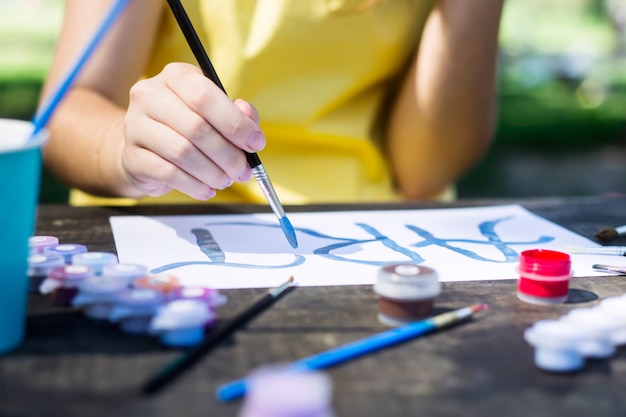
x=127, y=272
x=406, y=293
x=163, y=283
x=598, y=328
x=211, y=298
x=38, y=268
x=97, y=295
x=615, y=308
x=95, y=260
x=134, y=309
x=557, y=345
x=63, y=282
x=182, y=323
x=544, y=276
x=279, y=391
x=66, y=250
x=37, y=244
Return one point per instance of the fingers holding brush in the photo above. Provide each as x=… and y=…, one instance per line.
x=194, y=146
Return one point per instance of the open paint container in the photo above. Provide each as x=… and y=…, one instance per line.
x=406, y=293
x=544, y=276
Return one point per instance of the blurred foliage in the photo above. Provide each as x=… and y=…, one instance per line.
x=562, y=73
x=562, y=92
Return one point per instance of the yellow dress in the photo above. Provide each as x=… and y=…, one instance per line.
x=319, y=73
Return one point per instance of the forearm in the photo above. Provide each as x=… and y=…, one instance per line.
x=443, y=119
x=87, y=129
x=85, y=147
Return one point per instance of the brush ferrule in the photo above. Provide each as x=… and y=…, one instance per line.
x=451, y=317
x=280, y=289
x=610, y=268
x=268, y=190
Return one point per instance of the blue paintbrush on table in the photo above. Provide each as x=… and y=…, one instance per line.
x=357, y=348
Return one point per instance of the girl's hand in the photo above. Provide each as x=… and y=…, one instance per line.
x=182, y=132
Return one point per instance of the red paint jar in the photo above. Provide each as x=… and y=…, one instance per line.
x=544, y=276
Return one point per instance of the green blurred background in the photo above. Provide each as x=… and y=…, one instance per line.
x=562, y=94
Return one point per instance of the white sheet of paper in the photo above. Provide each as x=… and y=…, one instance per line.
x=342, y=248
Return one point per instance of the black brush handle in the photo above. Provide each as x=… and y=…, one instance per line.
x=203, y=59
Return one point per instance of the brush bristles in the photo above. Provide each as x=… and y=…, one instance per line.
x=606, y=235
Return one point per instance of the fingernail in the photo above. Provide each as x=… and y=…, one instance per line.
x=228, y=184
x=210, y=193
x=256, y=141
x=246, y=175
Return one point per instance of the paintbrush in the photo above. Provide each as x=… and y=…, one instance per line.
x=360, y=347
x=602, y=250
x=253, y=159
x=607, y=234
x=174, y=369
x=46, y=110
x=621, y=270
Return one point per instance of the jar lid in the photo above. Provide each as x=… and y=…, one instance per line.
x=614, y=306
x=181, y=314
x=124, y=270
x=545, y=262
x=101, y=284
x=407, y=281
x=210, y=296
x=67, y=250
x=37, y=244
x=160, y=282
x=555, y=334
x=94, y=259
x=276, y=390
x=42, y=264
x=70, y=272
x=139, y=297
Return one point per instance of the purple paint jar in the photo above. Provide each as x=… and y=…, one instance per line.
x=96, y=260
x=211, y=298
x=128, y=272
x=38, y=268
x=63, y=282
x=182, y=322
x=97, y=295
x=134, y=309
x=66, y=250
x=37, y=244
x=277, y=391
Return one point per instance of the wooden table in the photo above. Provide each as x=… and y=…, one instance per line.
x=72, y=366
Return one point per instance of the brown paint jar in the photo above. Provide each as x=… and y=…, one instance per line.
x=407, y=293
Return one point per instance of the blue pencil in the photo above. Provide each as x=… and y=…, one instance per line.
x=45, y=112
x=235, y=389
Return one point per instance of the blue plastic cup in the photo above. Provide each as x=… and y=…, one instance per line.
x=20, y=169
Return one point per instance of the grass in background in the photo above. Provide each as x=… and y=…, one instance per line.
x=562, y=102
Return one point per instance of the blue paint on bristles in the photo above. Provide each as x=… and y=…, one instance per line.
x=288, y=231
x=45, y=112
